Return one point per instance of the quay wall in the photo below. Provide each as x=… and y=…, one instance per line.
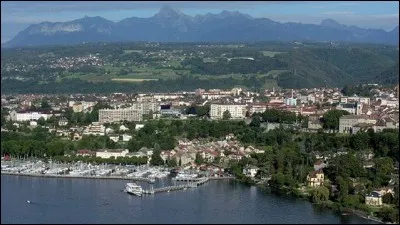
x=82, y=177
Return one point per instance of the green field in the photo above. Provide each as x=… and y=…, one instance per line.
x=131, y=51
x=130, y=80
x=275, y=73
x=270, y=54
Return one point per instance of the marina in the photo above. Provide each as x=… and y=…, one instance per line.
x=84, y=170
x=148, y=174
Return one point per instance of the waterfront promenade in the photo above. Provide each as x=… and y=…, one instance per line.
x=82, y=177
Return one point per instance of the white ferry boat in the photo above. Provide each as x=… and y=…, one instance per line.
x=134, y=189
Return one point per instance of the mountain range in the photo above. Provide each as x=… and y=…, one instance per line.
x=170, y=25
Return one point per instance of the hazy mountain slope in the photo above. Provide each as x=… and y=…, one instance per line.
x=170, y=25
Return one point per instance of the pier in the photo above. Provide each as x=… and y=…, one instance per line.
x=198, y=181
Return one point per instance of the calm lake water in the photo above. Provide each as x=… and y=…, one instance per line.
x=58, y=200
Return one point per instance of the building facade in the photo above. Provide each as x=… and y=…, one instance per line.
x=117, y=115
x=146, y=107
x=106, y=154
x=315, y=178
x=29, y=115
x=347, y=122
x=236, y=111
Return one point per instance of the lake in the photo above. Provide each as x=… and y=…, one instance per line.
x=67, y=200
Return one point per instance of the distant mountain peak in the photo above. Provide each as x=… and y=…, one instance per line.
x=331, y=23
x=168, y=12
x=226, y=13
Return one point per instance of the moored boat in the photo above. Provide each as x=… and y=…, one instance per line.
x=134, y=189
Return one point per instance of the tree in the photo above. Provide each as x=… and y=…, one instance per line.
x=45, y=105
x=320, y=194
x=388, y=198
x=331, y=118
x=226, y=115
x=41, y=121
x=255, y=122
x=156, y=159
x=172, y=162
x=199, y=159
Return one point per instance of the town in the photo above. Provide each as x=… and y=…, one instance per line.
x=119, y=118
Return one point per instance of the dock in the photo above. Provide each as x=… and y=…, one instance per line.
x=198, y=181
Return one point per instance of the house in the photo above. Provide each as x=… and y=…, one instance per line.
x=386, y=190
x=126, y=137
x=230, y=137
x=114, y=137
x=250, y=171
x=95, y=129
x=63, y=121
x=319, y=165
x=184, y=142
x=123, y=128
x=139, y=126
x=315, y=178
x=76, y=136
x=374, y=198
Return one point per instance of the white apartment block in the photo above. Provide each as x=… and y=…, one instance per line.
x=236, y=111
x=28, y=116
x=257, y=108
x=146, y=107
x=117, y=115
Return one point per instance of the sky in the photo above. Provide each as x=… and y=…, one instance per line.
x=18, y=15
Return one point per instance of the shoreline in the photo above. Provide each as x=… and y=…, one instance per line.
x=80, y=177
x=355, y=212
x=99, y=177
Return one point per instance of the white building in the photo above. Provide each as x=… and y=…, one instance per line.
x=146, y=107
x=250, y=171
x=29, y=115
x=126, y=137
x=236, y=111
x=108, y=153
x=290, y=101
x=347, y=122
x=117, y=115
x=139, y=126
x=95, y=129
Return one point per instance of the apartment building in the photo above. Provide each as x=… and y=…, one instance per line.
x=146, y=107
x=236, y=111
x=117, y=115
